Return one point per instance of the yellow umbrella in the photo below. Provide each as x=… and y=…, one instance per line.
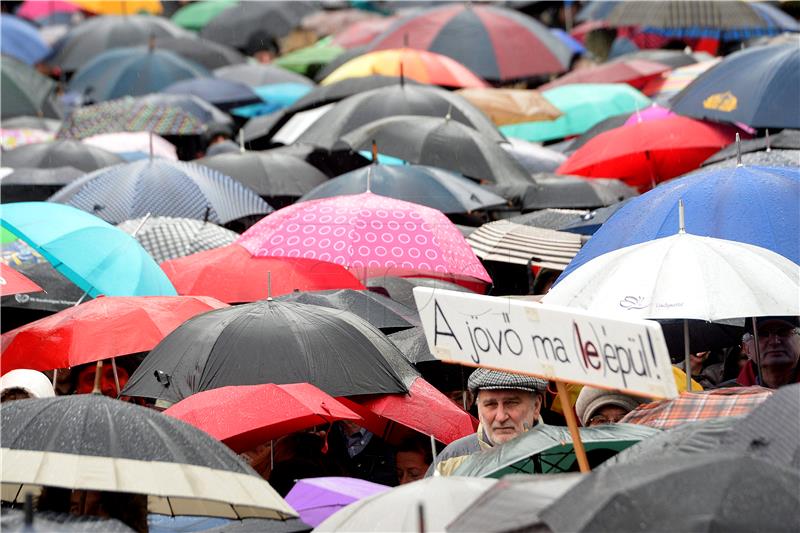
x=511, y=106
x=120, y=7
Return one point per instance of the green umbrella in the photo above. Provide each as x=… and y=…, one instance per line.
x=196, y=15
x=6, y=236
x=583, y=105
x=25, y=91
x=548, y=449
x=318, y=54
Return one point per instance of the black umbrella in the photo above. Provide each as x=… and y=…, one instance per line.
x=413, y=344
x=257, y=74
x=361, y=109
x=380, y=311
x=35, y=184
x=90, y=442
x=773, y=158
x=340, y=60
x=588, y=223
x=785, y=140
x=706, y=492
x=439, y=142
x=167, y=238
x=32, y=122
x=269, y=342
x=60, y=153
x=604, y=125
x=278, y=178
x=207, y=53
x=25, y=91
x=60, y=293
x=401, y=289
x=534, y=157
x=330, y=164
x=671, y=58
x=572, y=192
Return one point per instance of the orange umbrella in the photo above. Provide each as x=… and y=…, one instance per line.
x=120, y=7
x=419, y=65
x=511, y=106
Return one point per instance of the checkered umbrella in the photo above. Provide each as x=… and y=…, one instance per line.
x=168, y=238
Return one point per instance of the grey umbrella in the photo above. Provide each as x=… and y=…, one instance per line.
x=61, y=153
x=413, y=345
x=401, y=289
x=535, y=158
x=549, y=218
x=257, y=74
x=567, y=192
x=202, y=51
x=785, y=140
x=35, y=184
x=25, y=91
x=773, y=158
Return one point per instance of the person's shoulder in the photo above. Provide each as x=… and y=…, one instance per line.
x=463, y=446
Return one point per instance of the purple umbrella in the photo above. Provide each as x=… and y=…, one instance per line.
x=318, y=498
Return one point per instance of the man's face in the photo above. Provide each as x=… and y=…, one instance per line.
x=410, y=466
x=506, y=413
x=778, y=343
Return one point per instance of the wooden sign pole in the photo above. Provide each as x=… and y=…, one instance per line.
x=572, y=423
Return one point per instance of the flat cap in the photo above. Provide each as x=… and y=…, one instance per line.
x=483, y=378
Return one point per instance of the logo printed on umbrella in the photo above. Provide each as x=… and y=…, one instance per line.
x=721, y=101
x=633, y=302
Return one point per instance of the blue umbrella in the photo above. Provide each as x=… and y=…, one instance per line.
x=162, y=188
x=96, y=256
x=131, y=72
x=224, y=94
x=757, y=86
x=754, y=205
x=21, y=40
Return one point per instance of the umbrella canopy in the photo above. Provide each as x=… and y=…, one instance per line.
x=308, y=60
x=20, y=40
x=99, y=329
x=61, y=293
x=419, y=65
x=135, y=145
x=671, y=83
x=672, y=58
x=722, y=93
x=589, y=223
x=167, y=238
x=232, y=274
x=13, y=138
x=634, y=72
x=124, y=7
x=583, y=105
x=569, y=192
x=485, y=39
x=370, y=234
x=61, y=153
x=787, y=139
x=258, y=75
x=33, y=123
x=195, y=106
x=534, y=157
x=196, y=15
x=162, y=188
x=402, y=289
x=224, y=94
x=32, y=10
x=96, y=256
x=413, y=345
x=772, y=158
x=509, y=242
x=316, y=499
x=132, y=71
x=207, y=53
x=363, y=32
x=549, y=449
x=714, y=490
x=13, y=282
x=430, y=186
x=270, y=342
x=441, y=500
x=759, y=197
x=511, y=106
x=244, y=417
x=439, y=142
x=649, y=152
x=130, y=449
x=96, y=35
x=25, y=91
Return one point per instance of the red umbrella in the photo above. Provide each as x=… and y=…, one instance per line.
x=12, y=282
x=649, y=152
x=423, y=409
x=634, y=72
x=362, y=32
x=98, y=329
x=233, y=275
x=245, y=416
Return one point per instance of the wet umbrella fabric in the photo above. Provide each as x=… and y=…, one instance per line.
x=15, y=521
x=532, y=156
x=130, y=449
x=224, y=94
x=634, y=72
x=258, y=75
x=162, y=188
x=208, y=114
x=401, y=289
x=26, y=92
x=269, y=342
x=35, y=184
x=134, y=145
x=196, y=15
x=13, y=282
x=207, y=53
x=32, y=122
x=413, y=345
x=773, y=158
x=167, y=238
x=508, y=242
x=553, y=191
x=511, y=106
x=786, y=140
x=60, y=293
x=61, y=153
x=316, y=499
x=21, y=41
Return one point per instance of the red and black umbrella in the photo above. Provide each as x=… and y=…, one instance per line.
x=12, y=282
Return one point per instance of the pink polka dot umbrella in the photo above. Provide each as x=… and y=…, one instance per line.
x=371, y=235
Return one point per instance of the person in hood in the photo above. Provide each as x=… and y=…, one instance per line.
x=598, y=406
x=23, y=383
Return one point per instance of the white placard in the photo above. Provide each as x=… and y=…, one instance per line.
x=552, y=342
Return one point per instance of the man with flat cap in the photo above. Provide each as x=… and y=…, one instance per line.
x=778, y=352
x=508, y=405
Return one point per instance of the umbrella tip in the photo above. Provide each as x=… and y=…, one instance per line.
x=738, y=150
x=449, y=114
x=681, y=218
x=769, y=147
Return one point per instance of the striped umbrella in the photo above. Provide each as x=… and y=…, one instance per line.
x=671, y=83
x=167, y=238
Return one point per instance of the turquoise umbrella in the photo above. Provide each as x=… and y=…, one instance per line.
x=583, y=105
x=96, y=256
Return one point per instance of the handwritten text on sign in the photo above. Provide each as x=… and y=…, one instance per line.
x=553, y=342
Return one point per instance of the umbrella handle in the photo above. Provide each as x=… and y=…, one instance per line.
x=97, y=375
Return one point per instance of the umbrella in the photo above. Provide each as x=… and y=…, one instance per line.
x=224, y=94
x=413, y=345
x=419, y=65
x=16, y=520
x=588, y=223
x=370, y=234
x=439, y=142
x=571, y=192
x=762, y=199
x=61, y=153
x=509, y=242
x=21, y=41
x=257, y=75
x=535, y=158
x=674, y=59
x=196, y=15
x=635, y=72
x=610, y=123
x=33, y=10
x=713, y=490
x=548, y=449
x=207, y=53
x=401, y=289
x=583, y=105
x=130, y=449
x=772, y=158
x=723, y=94
x=270, y=342
x=787, y=139
x=13, y=138
x=511, y=106
x=308, y=60
x=167, y=238
x=697, y=406
x=363, y=32
x=195, y=106
x=316, y=499
x=13, y=282
x=326, y=22
x=132, y=71
x=33, y=123
x=244, y=417
x=162, y=188
x=99, y=34
x=671, y=83
x=91, y=253
x=380, y=311
x=649, y=152
x=433, y=501
x=485, y=39
x=102, y=328
x=430, y=186
x=123, y=7
x=25, y=91
x=234, y=275
x=60, y=292
x=271, y=175
x=134, y=145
